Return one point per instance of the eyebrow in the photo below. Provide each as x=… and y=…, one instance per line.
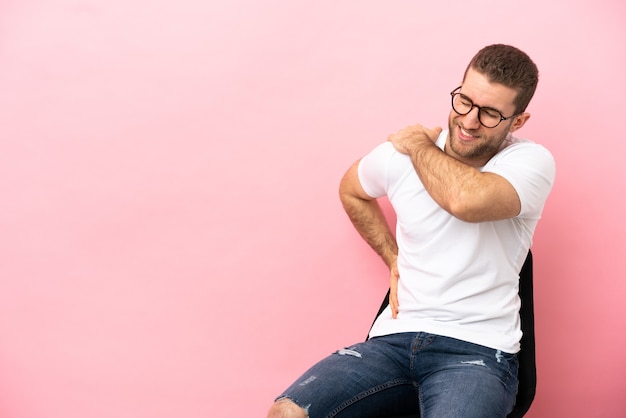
x=482, y=107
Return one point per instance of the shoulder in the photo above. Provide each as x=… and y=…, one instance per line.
x=530, y=168
x=382, y=167
x=517, y=146
x=382, y=156
x=523, y=153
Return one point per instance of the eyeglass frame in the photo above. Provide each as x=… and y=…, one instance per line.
x=456, y=91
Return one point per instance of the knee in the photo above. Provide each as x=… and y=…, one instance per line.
x=285, y=408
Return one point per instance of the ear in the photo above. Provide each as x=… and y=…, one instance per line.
x=519, y=121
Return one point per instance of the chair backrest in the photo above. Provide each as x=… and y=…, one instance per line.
x=527, y=374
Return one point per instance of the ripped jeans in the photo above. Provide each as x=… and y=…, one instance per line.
x=406, y=373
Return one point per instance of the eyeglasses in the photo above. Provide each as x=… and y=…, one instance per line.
x=487, y=116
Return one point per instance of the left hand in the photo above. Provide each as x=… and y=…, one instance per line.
x=405, y=139
x=394, y=276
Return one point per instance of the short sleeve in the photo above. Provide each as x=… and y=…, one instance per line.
x=373, y=170
x=384, y=168
x=530, y=168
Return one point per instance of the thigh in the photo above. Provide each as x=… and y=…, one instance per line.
x=468, y=381
x=365, y=380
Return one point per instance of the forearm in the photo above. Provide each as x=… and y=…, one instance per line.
x=452, y=184
x=458, y=187
x=370, y=222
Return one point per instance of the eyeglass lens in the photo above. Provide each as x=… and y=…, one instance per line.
x=462, y=105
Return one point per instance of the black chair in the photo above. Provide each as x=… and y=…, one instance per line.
x=527, y=373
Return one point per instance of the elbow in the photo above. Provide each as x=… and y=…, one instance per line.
x=350, y=189
x=468, y=207
x=344, y=192
x=480, y=209
x=463, y=211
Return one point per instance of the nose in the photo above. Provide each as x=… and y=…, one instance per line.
x=470, y=120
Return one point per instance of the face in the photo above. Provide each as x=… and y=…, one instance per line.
x=468, y=140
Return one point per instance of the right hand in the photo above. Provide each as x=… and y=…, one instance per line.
x=405, y=140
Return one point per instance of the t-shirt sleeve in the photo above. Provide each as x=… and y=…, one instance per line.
x=384, y=167
x=373, y=170
x=530, y=168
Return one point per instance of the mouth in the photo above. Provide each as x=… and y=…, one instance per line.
x=465, y=135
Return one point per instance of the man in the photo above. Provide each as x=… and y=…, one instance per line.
x=467, y=202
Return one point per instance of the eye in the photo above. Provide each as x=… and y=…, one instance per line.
x=465, y=101
x=491, y=113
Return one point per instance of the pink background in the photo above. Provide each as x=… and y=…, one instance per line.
x=171, y=241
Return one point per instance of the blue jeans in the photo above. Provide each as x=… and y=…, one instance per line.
x=403, y=373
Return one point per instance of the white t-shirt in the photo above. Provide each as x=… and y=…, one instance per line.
x=459, y=279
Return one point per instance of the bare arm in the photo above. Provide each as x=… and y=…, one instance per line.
x=460, y=189
x=370, y=222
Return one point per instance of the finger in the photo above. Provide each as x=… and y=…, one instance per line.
x=397, y=142
x=434, y=132
x=393, y=292
x=394, y=308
